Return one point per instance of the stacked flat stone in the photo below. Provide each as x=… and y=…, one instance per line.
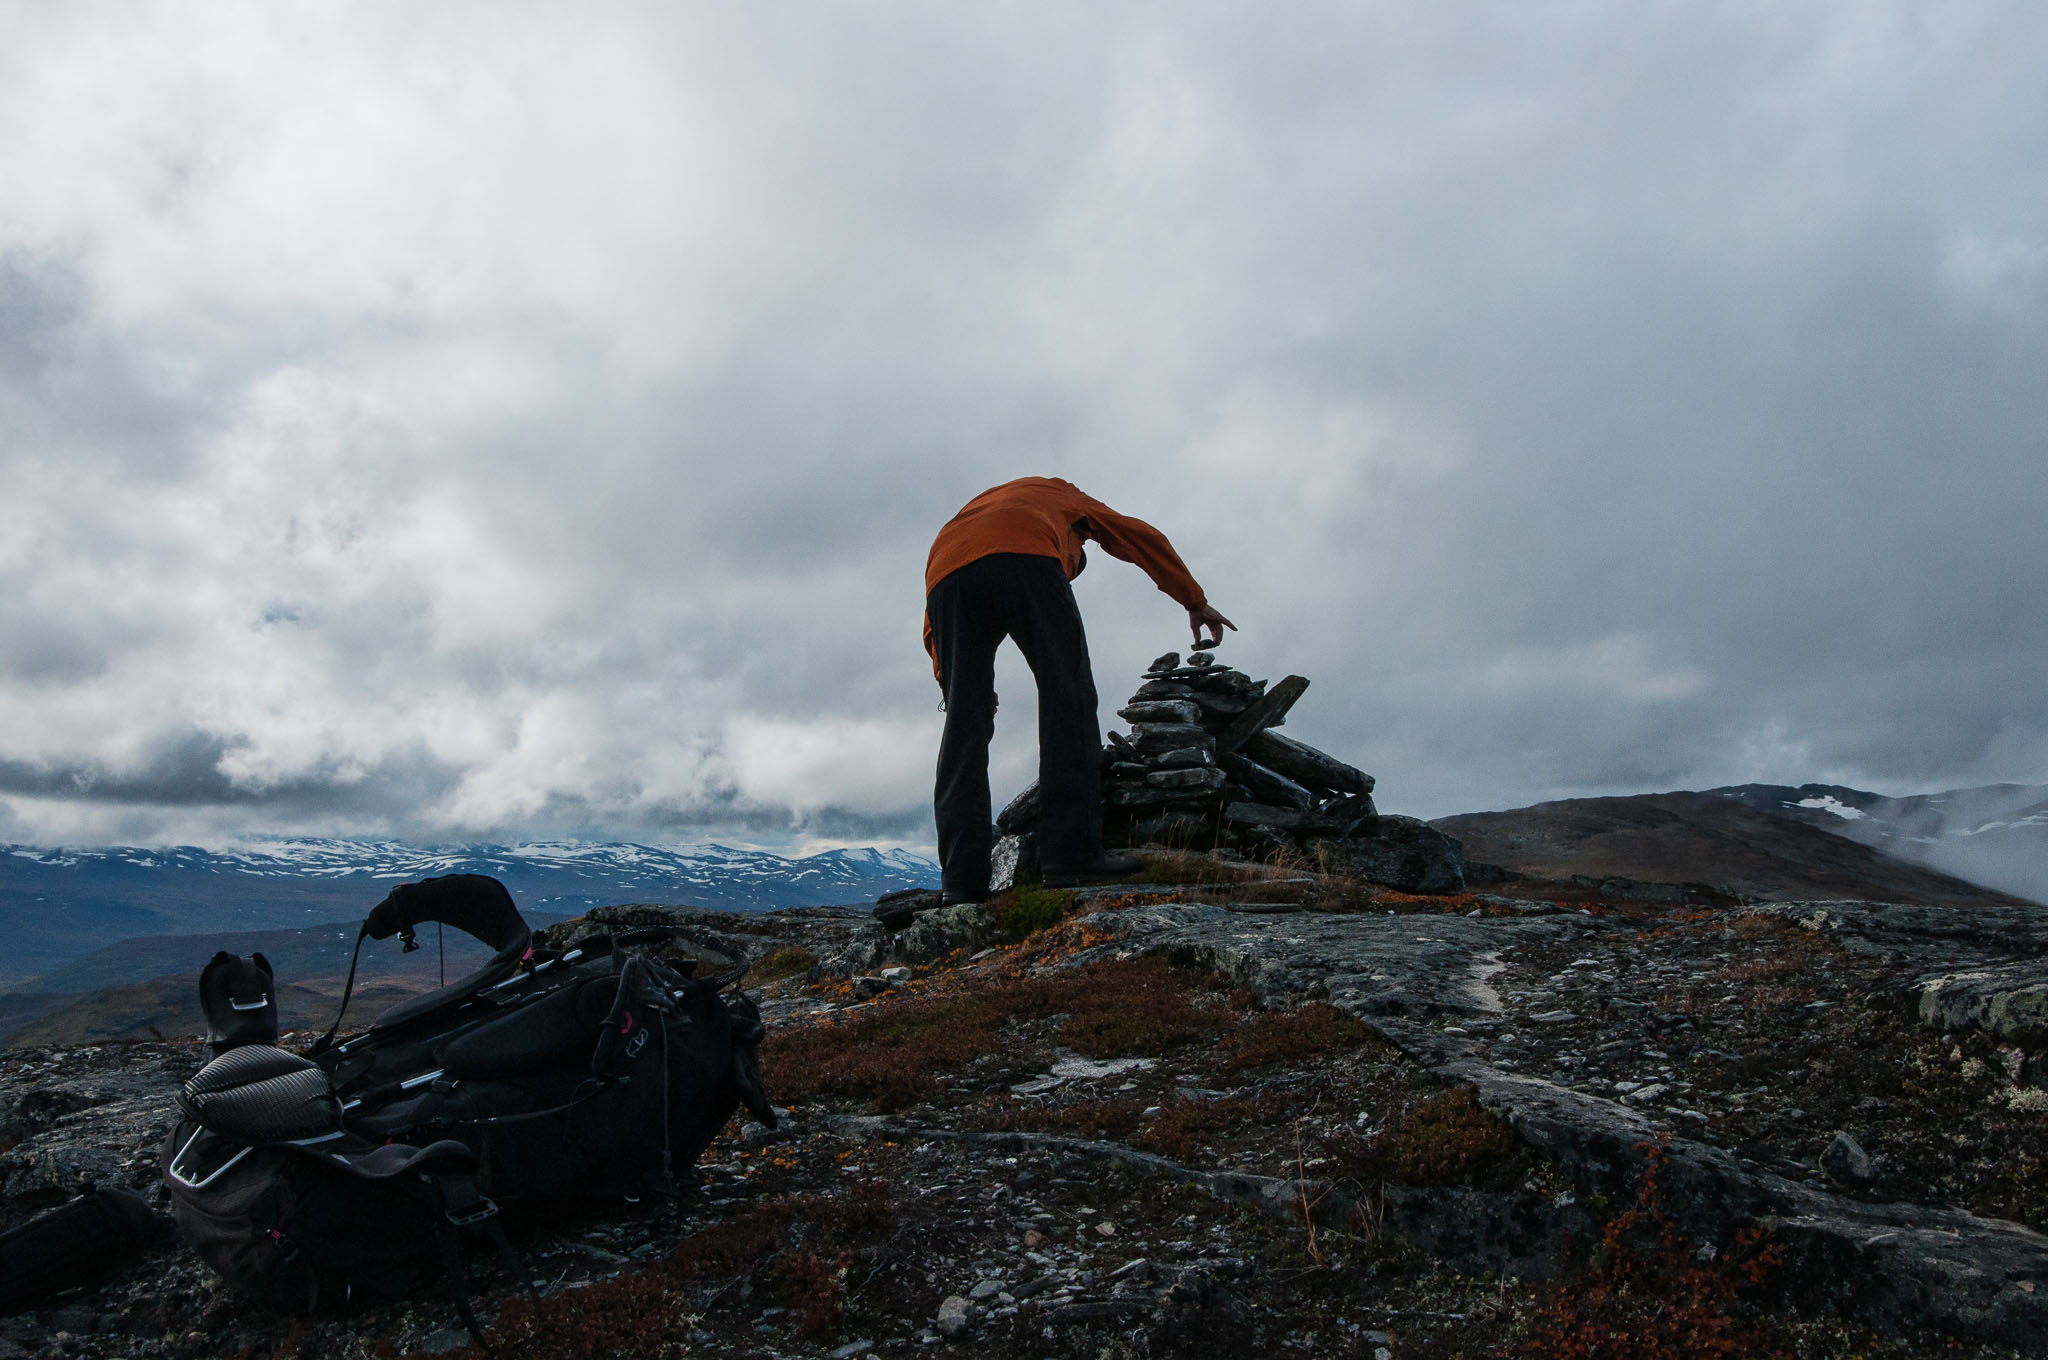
x=1168, y=765
x=1201, y=765
x=1202, y=768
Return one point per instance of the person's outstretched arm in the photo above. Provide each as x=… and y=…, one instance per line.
x=1136, y=542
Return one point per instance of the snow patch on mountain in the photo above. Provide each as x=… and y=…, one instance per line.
x=1829, y=803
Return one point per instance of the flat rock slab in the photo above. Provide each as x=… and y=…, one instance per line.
x=67, y=1129
x=1923, y=936
x=1980, y=968
x=1096, y=893
x=1369, y=965
x=2007, y=1001
x=1887, y=1264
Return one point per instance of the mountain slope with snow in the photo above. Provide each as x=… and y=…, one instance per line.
x=61, y=904
x=1996, y=834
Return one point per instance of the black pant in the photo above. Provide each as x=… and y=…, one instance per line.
x=1025, y=597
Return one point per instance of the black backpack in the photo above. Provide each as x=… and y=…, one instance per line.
x=544, y=1078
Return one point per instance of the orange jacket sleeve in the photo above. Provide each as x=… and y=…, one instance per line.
x=1135, y=541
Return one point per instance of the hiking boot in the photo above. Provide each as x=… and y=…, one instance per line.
x=1102, y=869
x=954, y=897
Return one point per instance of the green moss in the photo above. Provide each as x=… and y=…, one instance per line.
x=784, y=962
x=1032, y=909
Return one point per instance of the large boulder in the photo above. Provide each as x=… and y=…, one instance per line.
x=1397, y=852
x=935, y=934
x=1014, y=860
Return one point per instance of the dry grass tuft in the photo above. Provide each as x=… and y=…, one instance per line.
x=895, y=1053
x=1288, y=1036
x=1190, y=866
x=797, y=1247
x=1650, y=1297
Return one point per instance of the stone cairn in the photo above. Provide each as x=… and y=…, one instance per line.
x=1202, y=768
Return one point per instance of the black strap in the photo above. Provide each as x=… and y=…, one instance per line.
x=588, y=1089
x=668, y=1152
x=463, y=1205
x=641, y=999
x=456, y=1277
x=325, y=1041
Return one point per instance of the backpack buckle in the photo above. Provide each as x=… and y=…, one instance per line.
x=476, y=1212
x=461, y=1202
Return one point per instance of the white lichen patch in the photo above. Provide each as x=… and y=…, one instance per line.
x=2023, y=1099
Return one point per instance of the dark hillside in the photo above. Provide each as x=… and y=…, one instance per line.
x=168, y=1008
x=1699, y=838
x=141, y=987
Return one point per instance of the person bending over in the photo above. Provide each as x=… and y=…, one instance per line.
x=1001, y=568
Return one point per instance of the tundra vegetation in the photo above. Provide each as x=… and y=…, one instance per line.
x=1236, y=1110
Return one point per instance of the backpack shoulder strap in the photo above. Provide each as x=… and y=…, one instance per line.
x=326, y=1041
x=464, y=1205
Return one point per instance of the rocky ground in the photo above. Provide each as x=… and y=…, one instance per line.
x=1260, y=1108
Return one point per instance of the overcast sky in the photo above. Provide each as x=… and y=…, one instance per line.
x=499, y=420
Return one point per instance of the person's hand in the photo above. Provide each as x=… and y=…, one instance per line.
x=1207, y=617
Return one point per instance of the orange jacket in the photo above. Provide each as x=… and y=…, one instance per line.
x=1048, y=517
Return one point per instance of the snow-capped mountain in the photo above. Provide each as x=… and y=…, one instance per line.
x=59, y=904
x=1996, y=835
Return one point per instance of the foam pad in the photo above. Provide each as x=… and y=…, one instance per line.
x=259, y=1096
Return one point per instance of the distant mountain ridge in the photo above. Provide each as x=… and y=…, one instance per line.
x=62, y=904
x=1782, y=841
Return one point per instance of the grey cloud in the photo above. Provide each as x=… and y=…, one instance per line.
x=183, y=770
x=1586, y=402
x=37, y=303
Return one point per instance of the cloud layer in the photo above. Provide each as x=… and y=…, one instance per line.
x=530, y=419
